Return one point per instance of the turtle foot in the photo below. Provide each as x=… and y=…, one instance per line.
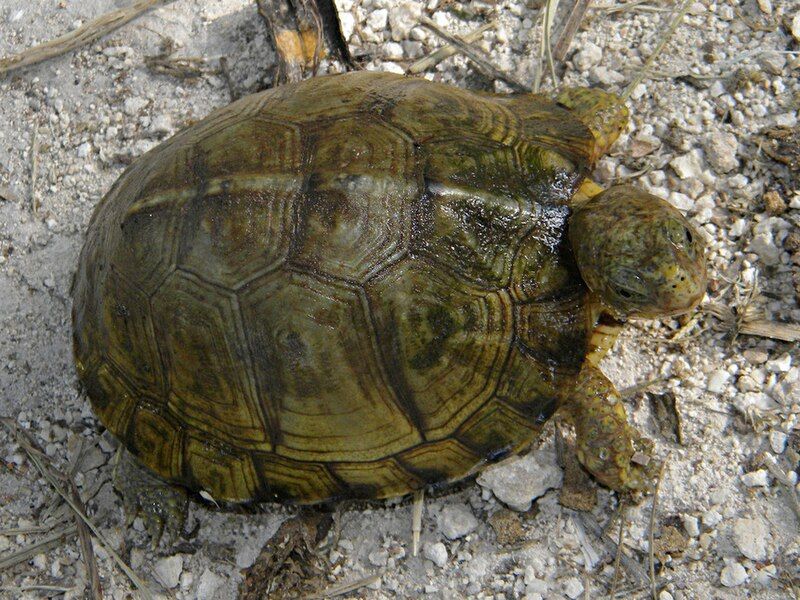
x=607, y=446
x=161, y=506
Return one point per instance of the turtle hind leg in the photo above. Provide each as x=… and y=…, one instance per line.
x=607, y=446
x=161, y=505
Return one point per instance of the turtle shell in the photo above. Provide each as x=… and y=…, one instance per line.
x=353, y=286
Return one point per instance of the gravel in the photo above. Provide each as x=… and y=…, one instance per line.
x=694, y=138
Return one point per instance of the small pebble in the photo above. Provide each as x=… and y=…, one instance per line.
x=161, y=124
x=796, y=26
x=691, y=525
x=402, y=18
x=456, y=521
x=781, y=364
x=436, y=553
x=718, y=381
x=379, y=557
x=733, y=575
x=573, y=587
x=378, y=19
x=758, y=478
x=588, y=56
x=167, y=571
x=133, y=105
x=519, y=482
x=84, y=149
x=777, y=441
x=687, y=165
x=774, y=203
x=711, y=518
x=751, y=537
x=208, y=585
x=721, y=150
x=348, y=24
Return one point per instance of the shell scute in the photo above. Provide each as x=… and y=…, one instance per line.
x=203, y=347
x=443, y=343
x=316, y=366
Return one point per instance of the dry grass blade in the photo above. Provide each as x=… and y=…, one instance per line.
x=57, y=538
x=34, y=168
x=643, y=386
x=744, y=324
x=477, y=57
x=640, y=5
x=56, y=589
x=87, y=551
x=445, y=52
x=651, y=539
x=677, y=19
x=545, y=51
x=28, y=530
x=37, y=457
x=780, y=476
x=632, y=568
x=346, y=588
x=786, y=332
x=570, y=28
x=85, y=34
x=620, y=515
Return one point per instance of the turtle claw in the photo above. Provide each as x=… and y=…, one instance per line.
x=161, y=506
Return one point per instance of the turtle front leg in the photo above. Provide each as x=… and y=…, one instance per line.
x=162, y=506
x=607, y=446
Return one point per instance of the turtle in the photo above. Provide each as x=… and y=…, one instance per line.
x=363, y=284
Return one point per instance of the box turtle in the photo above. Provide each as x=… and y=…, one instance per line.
x=362, y=284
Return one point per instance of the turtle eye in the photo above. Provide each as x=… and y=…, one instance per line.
x=624, y=293
x=680, y=235
x=628, y=285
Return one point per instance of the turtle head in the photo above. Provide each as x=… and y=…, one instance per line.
x=637, y=254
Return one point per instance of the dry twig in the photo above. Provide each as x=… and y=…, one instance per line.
x=55, y=539
x=416, y=520
x=346, y=588
x=781, y=478
x=545, y=51
x=621, y=516
x=34, y=168
x=87, y=551
x=651, y=539
x=633, y=568
x=36, y=456
x=478, y=58
x=85, y=34
x=440, y=54
x=570, y=28
x=676, y=21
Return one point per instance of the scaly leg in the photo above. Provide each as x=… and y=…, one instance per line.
x=161, y=505
x=607, y=446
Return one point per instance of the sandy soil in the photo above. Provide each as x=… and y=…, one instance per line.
x=730, y=71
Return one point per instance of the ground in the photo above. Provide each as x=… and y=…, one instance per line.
x=69, y=126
